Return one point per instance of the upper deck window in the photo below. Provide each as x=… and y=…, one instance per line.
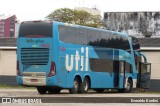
x=85, y=36
x=35, y=29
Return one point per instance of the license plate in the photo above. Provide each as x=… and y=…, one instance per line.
x=34, y=80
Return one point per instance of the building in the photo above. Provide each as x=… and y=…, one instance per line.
x=8, y=61
x=8, y=26
x=92, y=11
x=134, y=23
x=149, y=46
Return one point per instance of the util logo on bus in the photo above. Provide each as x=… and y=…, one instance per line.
x=77, y=59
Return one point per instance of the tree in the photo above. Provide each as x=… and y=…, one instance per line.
x=80, y=17
x=62, y=15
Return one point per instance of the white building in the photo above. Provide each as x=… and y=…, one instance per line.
x=92, y=11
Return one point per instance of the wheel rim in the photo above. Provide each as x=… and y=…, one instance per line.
x=128, y=86
x=85, y=85
x=76, y=85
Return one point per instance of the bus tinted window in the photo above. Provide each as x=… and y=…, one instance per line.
x=67, y=34
x=71, y=35
x=105, y=35
x=101, y=65
x=81, y=36
x=35, y=29
x=119, y=42
x=128, y=67
x=135, y=44
x=92, y=38
x=62, y=33
x=108, y=40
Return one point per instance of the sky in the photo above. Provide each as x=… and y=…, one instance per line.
x=26, y=10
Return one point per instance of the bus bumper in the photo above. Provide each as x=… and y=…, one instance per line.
x=32, y=81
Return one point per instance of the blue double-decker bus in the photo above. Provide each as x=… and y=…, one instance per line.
x=52, y=56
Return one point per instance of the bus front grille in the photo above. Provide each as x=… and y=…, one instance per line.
x=34, y=56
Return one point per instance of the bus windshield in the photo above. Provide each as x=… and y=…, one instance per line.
x=35, y=29
x=135, y=44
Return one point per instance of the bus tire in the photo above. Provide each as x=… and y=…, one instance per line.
x=41, y=90
x=76, y=86
x=100, y=90
x=85, y=85
x=129, y=86
x=54, y=90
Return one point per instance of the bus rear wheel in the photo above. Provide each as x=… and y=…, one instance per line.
x=85, y=86
x=76, y=86
x=41, y=90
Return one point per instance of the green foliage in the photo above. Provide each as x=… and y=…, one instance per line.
x=80, y=17
x=62, y=15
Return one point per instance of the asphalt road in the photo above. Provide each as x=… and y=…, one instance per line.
x=91, y=98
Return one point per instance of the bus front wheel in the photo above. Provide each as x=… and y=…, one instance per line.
x=76, y=86
x=128, y=88
x=41, y=90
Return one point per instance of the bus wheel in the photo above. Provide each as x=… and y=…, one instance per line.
x=41, y=90
x=128, y=87
x=85, y=86
x=76, y=86
x=54, y=90
x=99, y=90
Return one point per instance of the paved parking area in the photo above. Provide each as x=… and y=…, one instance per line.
x=91, y=98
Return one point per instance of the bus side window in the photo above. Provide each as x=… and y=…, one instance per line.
x=93, y=38
x=62, y=33
x=81, y=36
x=128, y=67
x=71, y=34
x=122, y=66
x=67, y=34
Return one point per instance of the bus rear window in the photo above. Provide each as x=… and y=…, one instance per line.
x=35, y=29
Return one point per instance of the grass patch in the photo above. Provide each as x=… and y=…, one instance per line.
x=3, y=86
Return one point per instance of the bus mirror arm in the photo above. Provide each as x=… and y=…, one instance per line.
x=145, y=60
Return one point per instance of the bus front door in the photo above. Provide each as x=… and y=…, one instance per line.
x=119, y=74
x=144, y=75
x=116, y=74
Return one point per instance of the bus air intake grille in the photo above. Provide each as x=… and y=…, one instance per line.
x=35, y=56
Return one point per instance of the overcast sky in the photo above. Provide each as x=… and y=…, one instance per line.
x=39, y=9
